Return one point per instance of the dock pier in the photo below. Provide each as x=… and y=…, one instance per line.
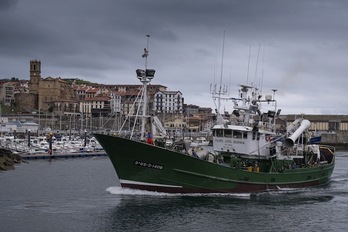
x=26, y=156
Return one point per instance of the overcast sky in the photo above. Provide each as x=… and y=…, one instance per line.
x=299, y=47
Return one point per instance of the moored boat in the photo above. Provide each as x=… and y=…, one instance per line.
x=200, y=141
x=248, y=154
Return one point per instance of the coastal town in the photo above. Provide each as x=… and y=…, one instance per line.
x=58, y=104
x=73, y=107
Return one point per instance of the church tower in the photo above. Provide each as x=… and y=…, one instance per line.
x=35, y=76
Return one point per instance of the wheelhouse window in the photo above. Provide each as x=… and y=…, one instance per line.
x=237, y=134
x=228, y=133
x=218, y=133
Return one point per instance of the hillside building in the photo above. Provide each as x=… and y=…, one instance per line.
x=47, y=94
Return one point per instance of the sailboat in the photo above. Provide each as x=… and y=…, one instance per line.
x=248, y=155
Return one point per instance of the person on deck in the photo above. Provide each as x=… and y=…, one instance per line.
x=149, y=138
x=194, y=154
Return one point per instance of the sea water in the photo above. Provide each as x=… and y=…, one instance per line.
x=83, y=194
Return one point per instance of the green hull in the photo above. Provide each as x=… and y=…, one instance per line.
x=148, y=167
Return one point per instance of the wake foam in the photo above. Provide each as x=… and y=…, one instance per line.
x=117, y=190
x=339, y=179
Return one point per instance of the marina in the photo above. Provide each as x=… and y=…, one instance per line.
x=46, y=147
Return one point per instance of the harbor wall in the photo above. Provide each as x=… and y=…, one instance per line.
x=338, y=139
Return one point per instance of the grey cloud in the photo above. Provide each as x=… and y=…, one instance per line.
x=303, y=43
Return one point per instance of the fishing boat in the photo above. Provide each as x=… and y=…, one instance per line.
x=248, y=155
x=200, y=141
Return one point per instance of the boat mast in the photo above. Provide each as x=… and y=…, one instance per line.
x=222, y=67
x=217, y=94
x=145, y=76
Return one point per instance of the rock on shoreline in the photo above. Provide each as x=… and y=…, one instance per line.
x=8, y=159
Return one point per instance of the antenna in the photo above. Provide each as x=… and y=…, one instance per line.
x=146, y=51
x=257, y=63
x=248, y=64
x=222, y=60
x=263, y=62
x=222, y=67
x=274, y=91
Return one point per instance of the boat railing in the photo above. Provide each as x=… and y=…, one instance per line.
x=263, y=126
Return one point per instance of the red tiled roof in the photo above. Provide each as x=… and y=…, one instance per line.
x=92, y=90
x=98, y=98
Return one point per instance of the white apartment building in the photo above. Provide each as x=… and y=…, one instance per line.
x=115, y=103
x=169, y=102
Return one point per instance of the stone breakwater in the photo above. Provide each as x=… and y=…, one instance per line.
x=8, y=159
